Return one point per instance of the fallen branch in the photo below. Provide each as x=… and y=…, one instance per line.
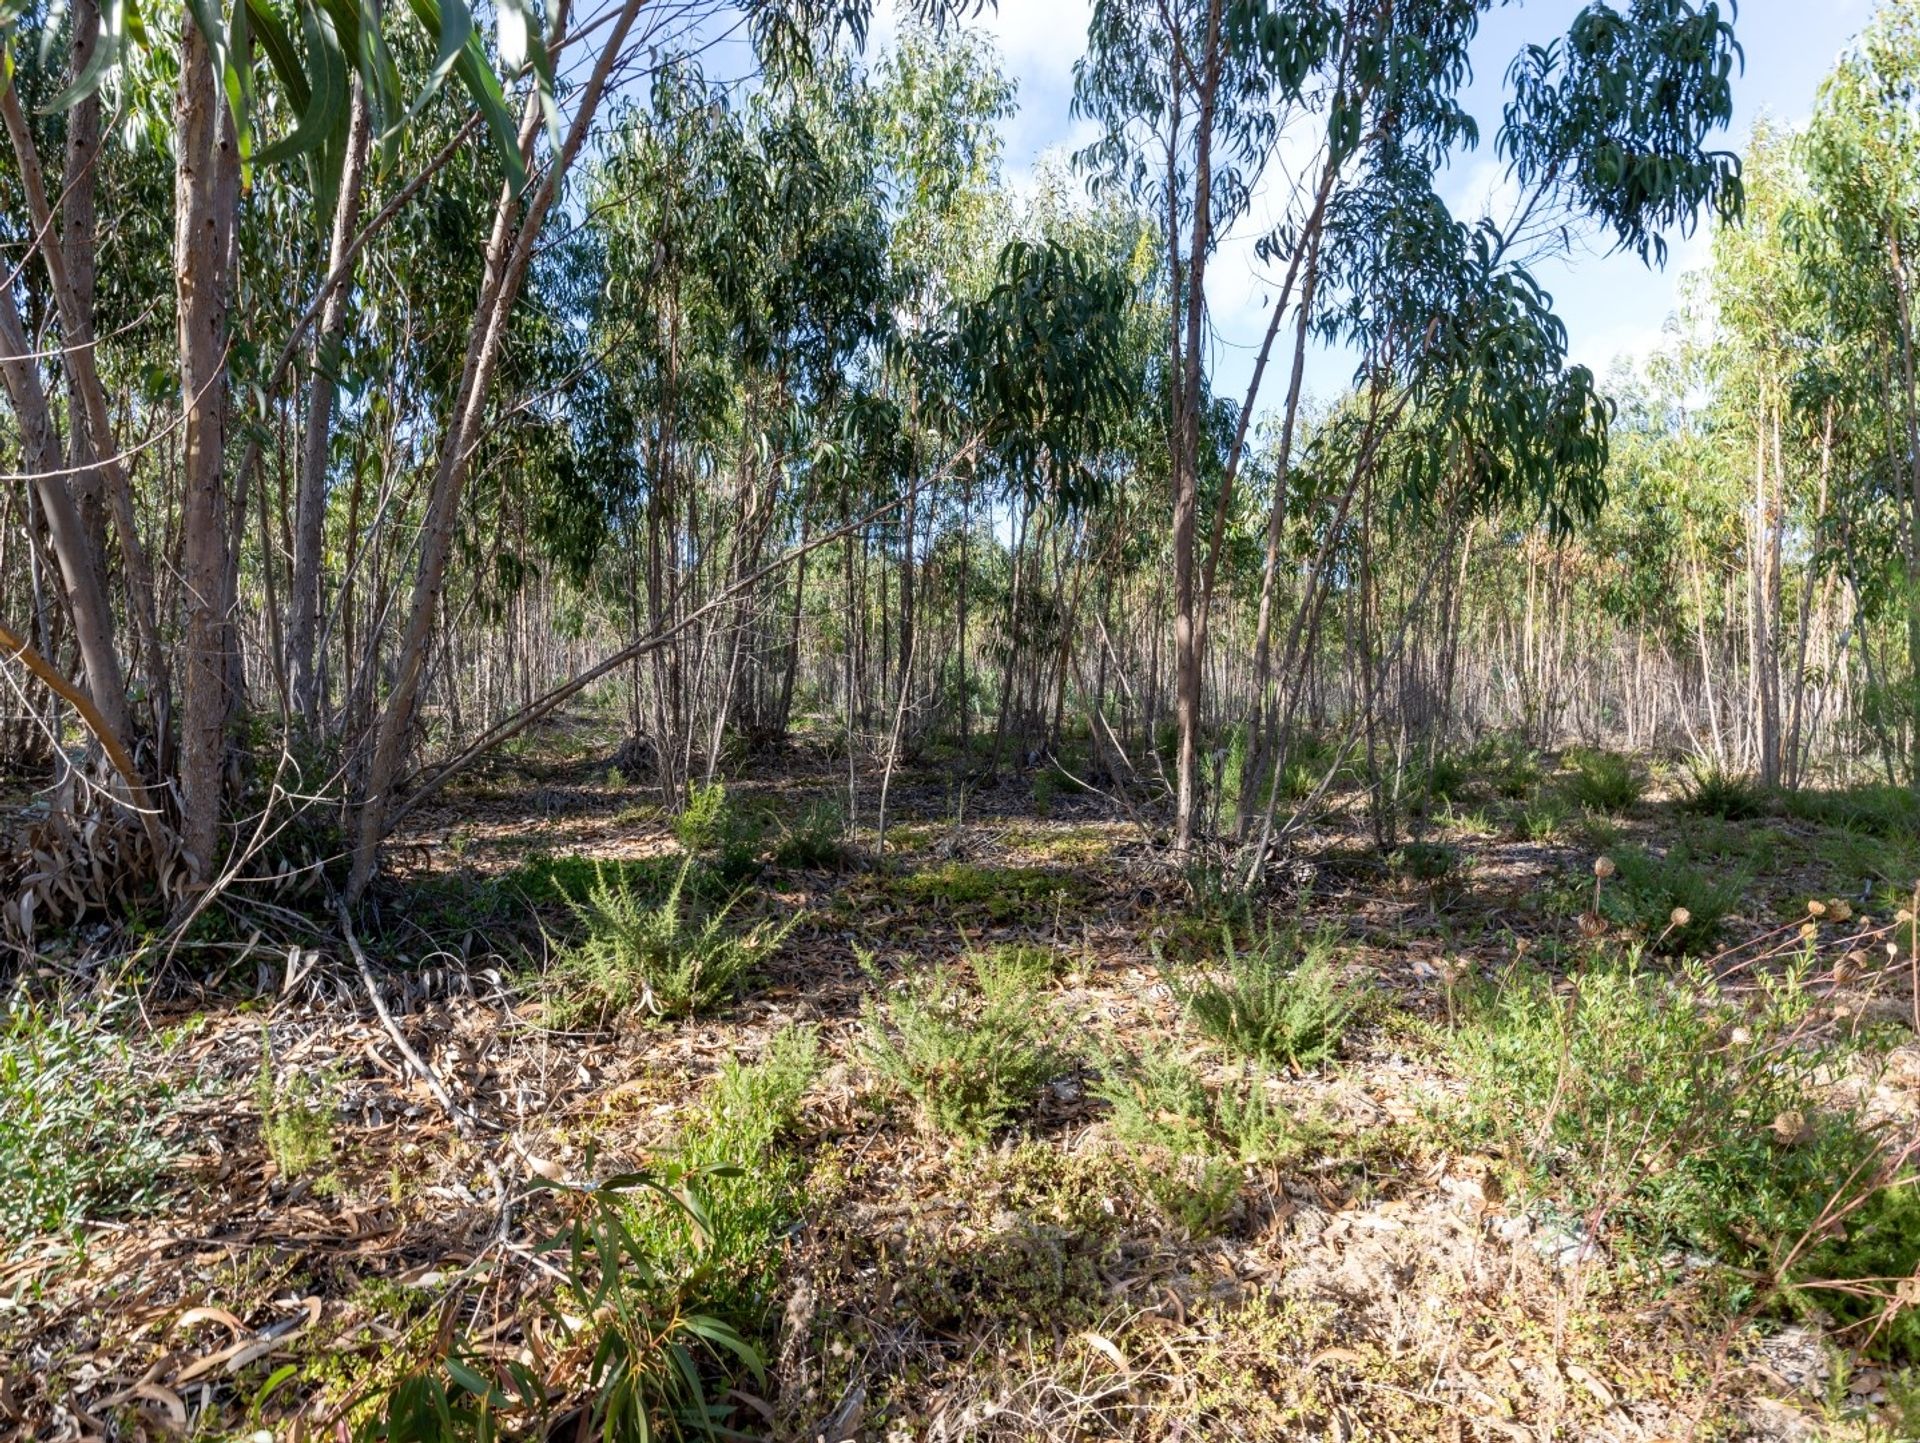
x=20, y=650
x=464, y=1122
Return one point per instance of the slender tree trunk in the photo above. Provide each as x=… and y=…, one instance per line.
x=76, y=328
x=206, y=183
x=80, y=571
x=78, y=236
x=309, y=536
x=509, y=254
x=1186, y=640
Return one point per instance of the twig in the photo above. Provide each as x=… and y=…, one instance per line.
x=464, y=1122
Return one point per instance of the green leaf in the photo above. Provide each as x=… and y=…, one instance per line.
x=114, y=25
x=323, y=110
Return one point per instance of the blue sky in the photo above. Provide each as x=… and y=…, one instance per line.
x=1613, y=305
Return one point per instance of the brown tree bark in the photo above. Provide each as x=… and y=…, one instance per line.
x=206, y=195
x=1187, y=448
x=509, y=254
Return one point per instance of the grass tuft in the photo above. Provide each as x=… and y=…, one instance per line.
x=1603, y=782
x=1712, y=791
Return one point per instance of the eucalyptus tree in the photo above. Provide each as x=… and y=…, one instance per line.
x=1608, y=125
x=749, y=294
x=939, y=97
x=1857, y=240
x=307, y=139
x=1767, y=311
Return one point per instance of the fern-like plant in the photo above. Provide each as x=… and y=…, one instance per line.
x=1274, y=1000
x=971, y=1062
x=660, y=959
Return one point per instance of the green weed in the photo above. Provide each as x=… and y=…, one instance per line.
x=626, y=1338
x=1275, y=999
x=1544, y=818
x=1196, y=1142
x=1015, y=968
x=296, y=1120
x=660, y=959
x=710, y=826
x=1669, y=901
x=817, y=841
x=970, y=1062
x=82, y=1127
x=1430, y=862
x=1712, y=791
x=1663, y=1107
x=753, y=1183
x=1603, y=781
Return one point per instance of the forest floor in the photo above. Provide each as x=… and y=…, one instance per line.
x=997, y=1177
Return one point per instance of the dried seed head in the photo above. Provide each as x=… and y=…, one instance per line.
x=1739, y=1037
x=1680, y=916
x=1603, y=867
x=1790, y=1128
x=1839, y=908
x=1817, y=908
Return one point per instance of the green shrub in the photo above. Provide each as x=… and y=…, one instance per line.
x=1669, y=901
x=551, y=881
x=1603, y=781
x=1444, y=780
x=81, y=1125
x=970, y=1062
x=711, y=826
x=1881, y=1241
x=753, y=1182
x=1046, y=786
x=1308, y=759
x=1425, y=861
x=1274, y=999
x=1878, y=810
x=296, y=1120
x=625, y=1337
x=1015, y=968
x=1544, y=818
x=663, y=959
x=1682, y=1117
x=1712, y=791
x=1192, y=1145
x=1508, y=762
x=817, y=841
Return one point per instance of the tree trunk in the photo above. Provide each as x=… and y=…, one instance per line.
x=1186, y=641
x=309, y=535
x=506, y=268
x=206, y=181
